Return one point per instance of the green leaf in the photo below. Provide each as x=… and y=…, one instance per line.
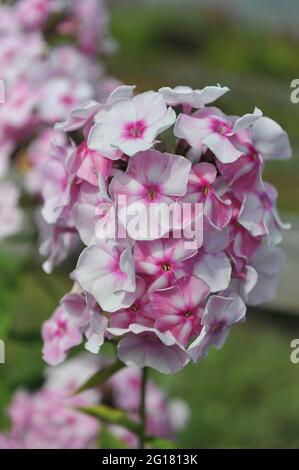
x=111, y=416
x=100, y=377
x=159, y=443
x=107, y=440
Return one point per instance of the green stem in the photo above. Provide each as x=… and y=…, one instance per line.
x=143, y=408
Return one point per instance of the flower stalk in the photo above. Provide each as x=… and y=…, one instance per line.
x=143, y=407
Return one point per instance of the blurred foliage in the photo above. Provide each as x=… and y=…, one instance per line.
x=193, y=46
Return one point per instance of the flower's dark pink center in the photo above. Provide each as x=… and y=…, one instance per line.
x=67, y=100
x=217, y=327
x=135, y=130
x=166, y=267
x=254, y=155
x=266, y=201
x=152, y=194
x=61, y=328
x=188, y=314
x=220, y=127
x=135, y=307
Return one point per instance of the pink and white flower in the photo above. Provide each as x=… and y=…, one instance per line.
x=60, y=96
x=130, y=125
x=147, y=347
x=149, y=290
x=151, y=178
x=163, y=261
x=179, y=308
x=107, y=272
x=222, y=311
x=210, y=127
x=202, y=188
x=59, y=335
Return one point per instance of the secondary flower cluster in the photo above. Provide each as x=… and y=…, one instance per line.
x=41, y=82
x=46, y=419
x=161, y=300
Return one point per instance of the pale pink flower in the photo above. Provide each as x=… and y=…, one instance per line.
x=59, y=96
x=142, y=346
x=210, y=127
x=163, y=260
x=179, y=308
x=151, y=178
x=130, y=125
x=59, y=335
x=202, y=188
x=57, y=190
x=106, y=271
x=32, y=14
x=259, y=214
x=139, y=312
x=38, y=153
x=222, y=311
x=85, y=313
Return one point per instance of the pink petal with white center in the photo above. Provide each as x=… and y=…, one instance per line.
x=130, y=125
x=179, y=308
x=161, y=256
x=152, y=168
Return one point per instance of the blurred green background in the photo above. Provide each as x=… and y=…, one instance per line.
x=246, y=395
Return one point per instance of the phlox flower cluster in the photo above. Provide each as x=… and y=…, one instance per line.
x=47, y=418
x=43, y=76
x=162, y=301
